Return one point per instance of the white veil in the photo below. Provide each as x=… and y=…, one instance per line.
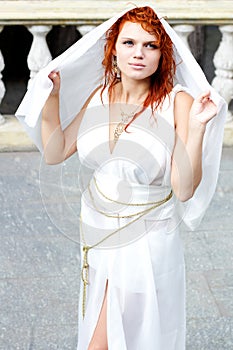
x=81, y=72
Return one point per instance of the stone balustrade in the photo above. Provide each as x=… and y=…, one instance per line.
x=40, y=16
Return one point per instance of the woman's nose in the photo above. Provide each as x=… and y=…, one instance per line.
x=138, y=53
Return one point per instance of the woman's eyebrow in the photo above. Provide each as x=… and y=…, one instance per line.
x=145, y=42
x=127, y=38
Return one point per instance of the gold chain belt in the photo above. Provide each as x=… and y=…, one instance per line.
x=86, y=248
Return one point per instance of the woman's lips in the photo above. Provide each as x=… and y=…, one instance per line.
x=137, y=65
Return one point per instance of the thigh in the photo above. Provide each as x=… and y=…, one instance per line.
x=99, y=338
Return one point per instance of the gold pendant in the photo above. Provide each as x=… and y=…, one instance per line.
x=118, y=131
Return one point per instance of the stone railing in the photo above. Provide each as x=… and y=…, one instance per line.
x=185, y=16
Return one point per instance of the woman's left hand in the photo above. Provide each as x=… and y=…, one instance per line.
x=203, y=108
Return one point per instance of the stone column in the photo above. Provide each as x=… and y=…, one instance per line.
x=39, y=55
x=2, y=87
x=223, y=62
x=84, y=29
x=184, y=30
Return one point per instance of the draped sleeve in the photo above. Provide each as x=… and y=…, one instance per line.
x=190, y=75
x=81, y=71
x=192, y=211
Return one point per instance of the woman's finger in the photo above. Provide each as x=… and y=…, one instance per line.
x=55, y=78
x=204, y=97
x=54, y=75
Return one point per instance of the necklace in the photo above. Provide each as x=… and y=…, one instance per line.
x=125, y=117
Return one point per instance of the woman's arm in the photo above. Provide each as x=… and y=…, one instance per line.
x=59, y=144
x=191, y=117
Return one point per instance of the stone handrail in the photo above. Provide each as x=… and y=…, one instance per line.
x=78, y=12
x=40, y=16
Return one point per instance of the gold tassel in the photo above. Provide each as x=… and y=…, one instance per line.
x=85, y=277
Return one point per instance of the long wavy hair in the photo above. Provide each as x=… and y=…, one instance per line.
x=161, y=82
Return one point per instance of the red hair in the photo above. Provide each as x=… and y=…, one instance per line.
x=162, y=80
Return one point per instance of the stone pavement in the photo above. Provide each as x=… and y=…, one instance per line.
x=39, y=260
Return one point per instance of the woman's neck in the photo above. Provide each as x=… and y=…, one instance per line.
x=131, y=92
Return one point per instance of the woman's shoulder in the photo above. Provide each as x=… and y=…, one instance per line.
x=95, y=98
x=177, y=93
x=181, y=94
x=180, y=88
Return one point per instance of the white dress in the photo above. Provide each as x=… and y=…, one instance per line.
x=143, y=263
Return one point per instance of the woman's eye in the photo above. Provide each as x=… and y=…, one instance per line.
x=128, y=42
x=152, y=46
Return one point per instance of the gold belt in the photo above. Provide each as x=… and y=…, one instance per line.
x=135, y=216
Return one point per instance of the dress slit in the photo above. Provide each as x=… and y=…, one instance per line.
x=100, y=332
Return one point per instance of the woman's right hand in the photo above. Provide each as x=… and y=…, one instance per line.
x=56, y=80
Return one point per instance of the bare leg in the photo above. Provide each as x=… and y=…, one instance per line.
x=99, y=339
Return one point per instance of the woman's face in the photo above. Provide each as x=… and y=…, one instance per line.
x=137, y=52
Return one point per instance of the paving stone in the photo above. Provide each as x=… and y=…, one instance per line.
x=221, y=285
x=14, y=338
x=210, y=333
x=17, y=162
x=196, y=254
x=219, y=214
x=219, y=246
x=26, y=221
x=200, y=301
x=39, y=301
x=208, y=250
x=32, y=256
x=54, y=337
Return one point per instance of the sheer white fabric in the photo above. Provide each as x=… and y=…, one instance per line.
x=146, y=277
x=143, y=264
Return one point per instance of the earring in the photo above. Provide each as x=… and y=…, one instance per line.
x=116, y=69
x=114, y=64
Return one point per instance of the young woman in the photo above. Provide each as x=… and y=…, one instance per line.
x=142, y=135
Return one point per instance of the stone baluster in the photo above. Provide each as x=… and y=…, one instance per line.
x=184, y=30
x=39, y=55
x=223, y=62
x=84, y=29
x=2, y=87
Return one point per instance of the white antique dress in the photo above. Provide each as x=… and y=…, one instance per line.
x=143, y=263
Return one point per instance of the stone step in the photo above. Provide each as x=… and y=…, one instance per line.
x=14, y=138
